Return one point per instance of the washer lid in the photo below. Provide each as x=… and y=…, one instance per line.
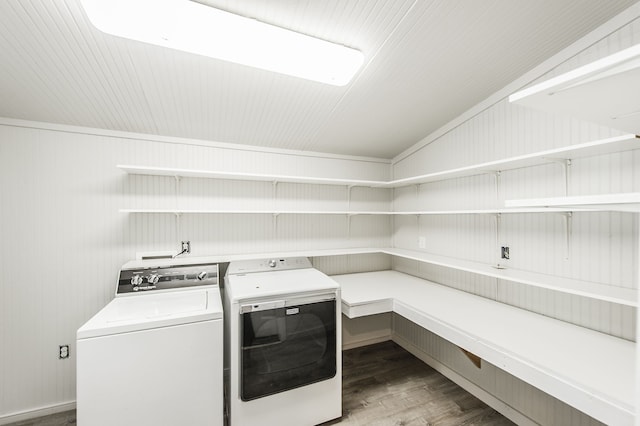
x=126, y=314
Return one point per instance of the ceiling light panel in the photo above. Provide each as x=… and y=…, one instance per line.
x=203, y=30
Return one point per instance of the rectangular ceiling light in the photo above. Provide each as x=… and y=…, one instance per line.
x=193, y=27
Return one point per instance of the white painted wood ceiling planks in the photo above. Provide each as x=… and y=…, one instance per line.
x=426, y=62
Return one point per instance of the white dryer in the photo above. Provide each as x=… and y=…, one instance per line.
x=282, y=343
x=153, y=355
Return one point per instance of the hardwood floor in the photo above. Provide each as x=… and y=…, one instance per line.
x=384, y=385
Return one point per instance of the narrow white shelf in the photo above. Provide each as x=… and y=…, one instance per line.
x=625, y=202
x=614, y=294
x=587, y=149
x=356, y=213
x=195, y=260
x=588, y=370
x=212, y=174
x=604, y=91
x=488, y=211
x=273, y=212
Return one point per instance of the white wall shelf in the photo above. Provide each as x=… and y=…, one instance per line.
x=625, y=202
x=189, y=260
x=608, y=293
x=213, y=174
x=583, y=150
x=488, y=211
x=589, y=370
x=356, y=213
x=587, y=149
x=604, y=91
x=273, y=212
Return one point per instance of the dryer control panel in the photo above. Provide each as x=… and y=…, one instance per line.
x=266, y=265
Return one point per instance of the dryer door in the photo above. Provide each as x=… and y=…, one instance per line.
x=286, y=344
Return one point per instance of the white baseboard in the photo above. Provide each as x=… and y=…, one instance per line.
x=365, y=342
x=484, y=396
x=38, y=412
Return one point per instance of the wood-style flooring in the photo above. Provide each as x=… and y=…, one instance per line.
x=383, y=385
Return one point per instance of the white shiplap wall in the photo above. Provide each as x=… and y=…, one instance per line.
x=602, y=247
x=64, y=240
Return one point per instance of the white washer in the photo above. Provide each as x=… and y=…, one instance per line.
x=282, y=343
x=153, y=355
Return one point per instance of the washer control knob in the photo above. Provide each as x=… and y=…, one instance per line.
x=202, y=275
x=272, y=263
x=136, y=280
x=153, y=279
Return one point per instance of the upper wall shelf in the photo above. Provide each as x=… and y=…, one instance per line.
x=212, y=174
x=587, y=149
x=625, y=202
x=360, y=213
x=604, y=91
x=274, y=212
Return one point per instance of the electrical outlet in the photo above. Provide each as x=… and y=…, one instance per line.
x=504, y=252
x=186, y=247
x=422, y=242
x=63, y=351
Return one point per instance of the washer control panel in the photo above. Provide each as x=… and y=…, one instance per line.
x=166, y=278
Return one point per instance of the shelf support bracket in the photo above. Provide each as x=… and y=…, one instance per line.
x=177, y=216
x=349, y=188
x=498, y=224
x=475, y=359
x=177, y=193
x=496, y=176
x=275, y=223
x=568, y=219
x=565, y=163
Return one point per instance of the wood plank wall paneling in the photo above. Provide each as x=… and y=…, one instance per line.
x=64, y=239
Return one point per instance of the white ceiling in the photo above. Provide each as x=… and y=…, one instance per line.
x=426, y=61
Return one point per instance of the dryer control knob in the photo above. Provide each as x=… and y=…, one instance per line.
x=153, y=279
x=136, y=280
x=202, y=275
x=272, y=263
